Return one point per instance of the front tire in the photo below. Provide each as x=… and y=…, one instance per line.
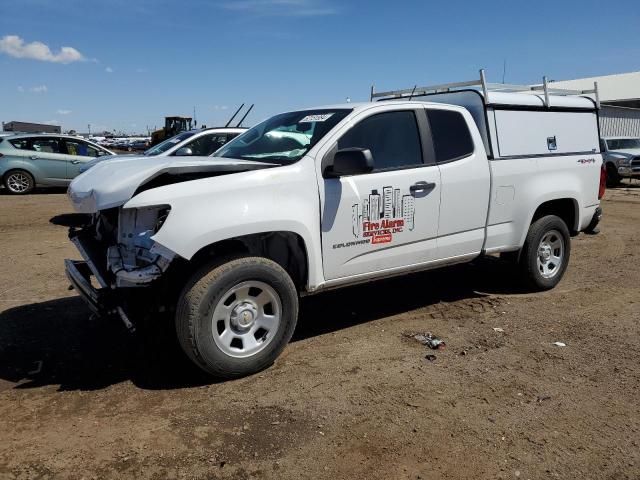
x=19, y=182
x=235, y=318
x=546, y=252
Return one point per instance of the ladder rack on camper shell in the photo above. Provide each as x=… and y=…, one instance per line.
x=486, y=88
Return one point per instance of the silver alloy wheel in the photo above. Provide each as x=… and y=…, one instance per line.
x=550, y=254
x=18, y=182
x=246, y=319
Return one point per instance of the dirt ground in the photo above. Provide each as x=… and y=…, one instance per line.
x=351, y=397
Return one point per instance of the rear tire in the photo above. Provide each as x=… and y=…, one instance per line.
x=235, y=318
x=546, y=252
x=19, y=182
x=613, y=178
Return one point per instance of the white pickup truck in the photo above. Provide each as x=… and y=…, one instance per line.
x=329, y=197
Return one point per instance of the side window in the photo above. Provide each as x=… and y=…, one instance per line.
x=21, y=143
x=207, y=144
x=603, y=147
x=46, y=145
x=219, y=140
x=392, y=137
x=78, y=147
x=451, y=136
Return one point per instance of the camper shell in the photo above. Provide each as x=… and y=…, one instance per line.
x=518, y=121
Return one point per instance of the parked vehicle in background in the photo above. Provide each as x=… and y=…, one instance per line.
x=328, y=197
x=192, y=143
x=30, y=160
x=621, y=157
x=138, y=146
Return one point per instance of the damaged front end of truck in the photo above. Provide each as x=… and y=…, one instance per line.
x=124, y=272
x=121, y=265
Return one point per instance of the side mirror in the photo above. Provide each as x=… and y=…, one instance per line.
x=184, y=152
x=350, y=161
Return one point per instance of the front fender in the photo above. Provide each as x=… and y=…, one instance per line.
x=210, y=210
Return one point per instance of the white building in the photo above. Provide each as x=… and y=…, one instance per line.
x=620, y=99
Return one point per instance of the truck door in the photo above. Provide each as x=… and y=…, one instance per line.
x=466, y=182
x=386, y=219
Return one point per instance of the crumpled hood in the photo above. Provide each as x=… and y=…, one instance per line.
x=112, y=183
x=104, y=158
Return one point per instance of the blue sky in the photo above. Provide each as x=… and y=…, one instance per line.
x=131, y=62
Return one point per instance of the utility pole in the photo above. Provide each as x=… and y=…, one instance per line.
x=89, y=126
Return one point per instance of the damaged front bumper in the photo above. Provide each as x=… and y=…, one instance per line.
x=101, y=301
x=113, y=277
x=79, y=274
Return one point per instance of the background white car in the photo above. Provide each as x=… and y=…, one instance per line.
x=201, y=143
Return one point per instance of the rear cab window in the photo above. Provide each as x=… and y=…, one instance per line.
x=451, y=136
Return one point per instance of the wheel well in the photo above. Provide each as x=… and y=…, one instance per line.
x=287, y=249
x=565, y=208
x=17, y=169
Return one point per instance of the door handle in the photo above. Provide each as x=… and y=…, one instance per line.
x=34, y=157
x=422, y=187
x=75, y=162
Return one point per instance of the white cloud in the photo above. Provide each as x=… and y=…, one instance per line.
x=108, y=70
x=63, y=112
x=220, y=107
x=141, y=70
x=51, y=122
x=283, y=8
x=14, y=46
x=20, y=88
x=39, y=89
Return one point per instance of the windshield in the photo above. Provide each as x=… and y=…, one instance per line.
x=283, y=139
x=167, y=144
x=622, y=143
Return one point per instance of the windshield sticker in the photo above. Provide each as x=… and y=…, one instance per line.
x=379, y=217
x=316, y=118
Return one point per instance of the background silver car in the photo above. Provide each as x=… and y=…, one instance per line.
x=201, y=142
x=30, y=160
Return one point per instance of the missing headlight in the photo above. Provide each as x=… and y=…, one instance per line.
x=137, y=259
